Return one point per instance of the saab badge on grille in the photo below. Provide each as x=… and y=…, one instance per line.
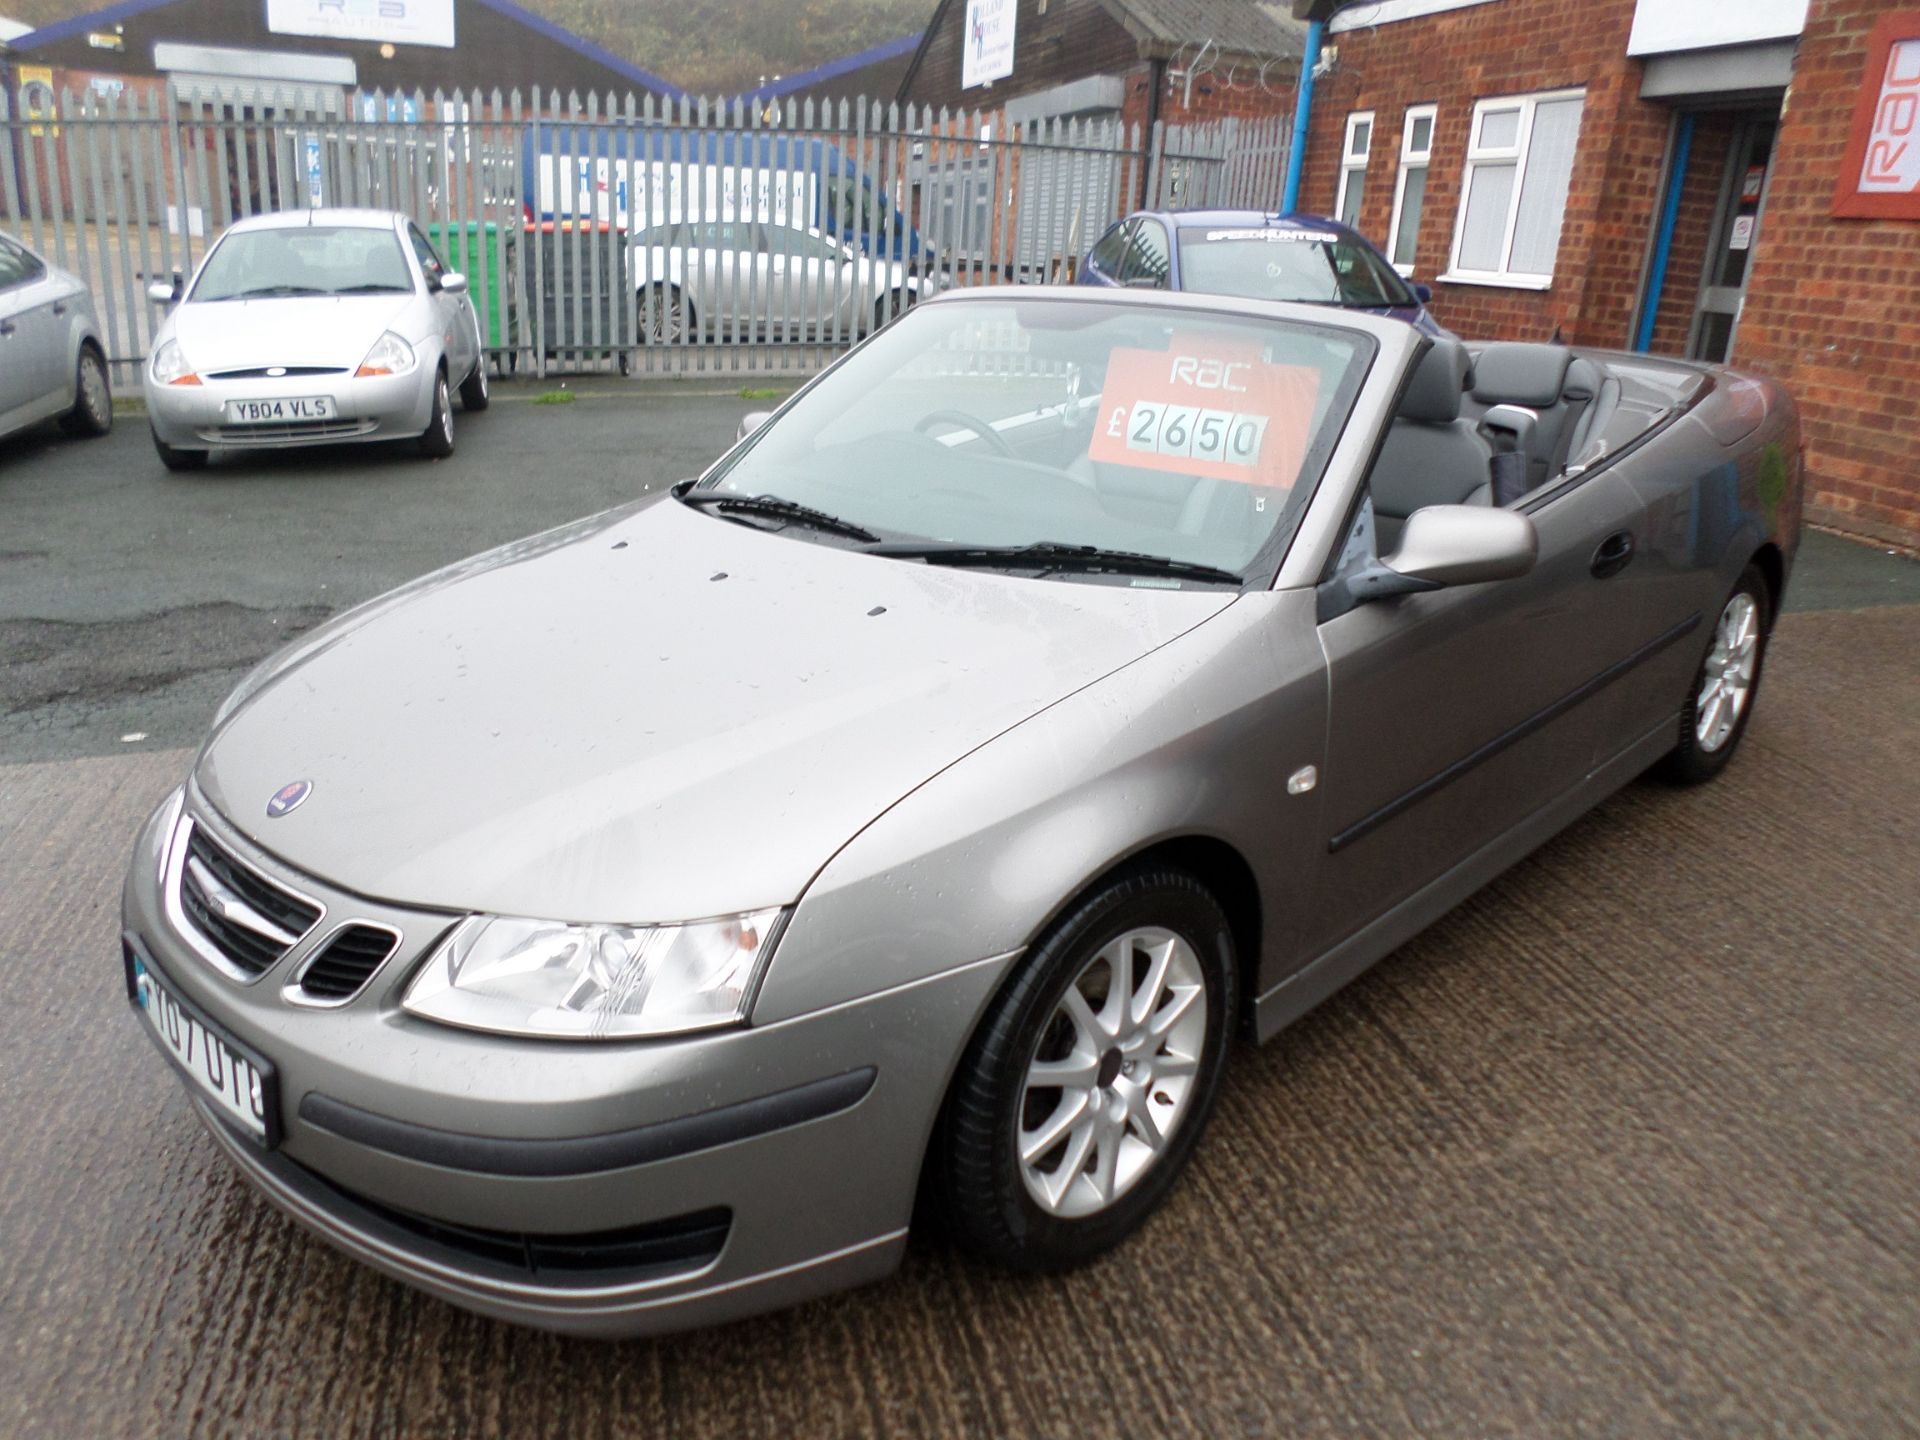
x=288, y=797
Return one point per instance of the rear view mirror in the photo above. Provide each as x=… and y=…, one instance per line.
x=1423, y=293
x=1464, y=545
x=751, y=422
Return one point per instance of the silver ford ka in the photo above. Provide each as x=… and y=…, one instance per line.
x=619, y=931
x=313, y=327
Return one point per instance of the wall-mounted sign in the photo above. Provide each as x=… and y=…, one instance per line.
x=986, y=52
x=106, y=40
x=403, y=22
x=1661, y=27
x=1880, y=171
x=37, y=102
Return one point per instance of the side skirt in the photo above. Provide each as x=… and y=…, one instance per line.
x=1354, y=956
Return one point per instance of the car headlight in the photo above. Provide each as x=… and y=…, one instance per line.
x=170, y=366
x=593, y=982
x=390, y=355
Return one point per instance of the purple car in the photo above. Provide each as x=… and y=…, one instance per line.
x=1261, y=256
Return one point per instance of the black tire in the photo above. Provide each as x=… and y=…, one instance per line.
x=1693, y=761
x=476, y=391
x=177, y=460
x=977, y=1177
x=891, y=306
x=92, y=412
x=436, y=441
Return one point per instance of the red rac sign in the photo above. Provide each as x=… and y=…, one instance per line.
x=1880, y=172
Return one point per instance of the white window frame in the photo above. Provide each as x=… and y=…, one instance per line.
x=1349, y=162
x=1516, y=156
x=1411, y=159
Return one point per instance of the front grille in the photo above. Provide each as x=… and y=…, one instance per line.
x=261, y=372
x=245, y=917
x=346, y=962
x=638, y=1252
x=277, y=431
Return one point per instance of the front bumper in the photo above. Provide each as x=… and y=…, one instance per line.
x=385, y=407
x=430, y=1153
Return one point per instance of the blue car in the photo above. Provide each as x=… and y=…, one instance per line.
x=1259, y=256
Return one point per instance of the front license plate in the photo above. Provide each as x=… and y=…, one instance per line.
x=265, y=412
x=236, y=1080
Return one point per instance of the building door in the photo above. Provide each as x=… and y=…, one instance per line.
x=1736, y=230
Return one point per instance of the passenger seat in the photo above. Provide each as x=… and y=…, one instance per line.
x=1431, y=456
x=1592, y=395
x=1533, y=377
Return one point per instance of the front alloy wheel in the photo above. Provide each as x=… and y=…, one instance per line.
x=1720, y=700
x=1090, y=1078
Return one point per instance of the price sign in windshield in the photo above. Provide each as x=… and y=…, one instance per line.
x=1207, y=406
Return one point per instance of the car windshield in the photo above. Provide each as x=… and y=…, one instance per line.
x=1160, y=432
x=305, y=260
x=1288, y=262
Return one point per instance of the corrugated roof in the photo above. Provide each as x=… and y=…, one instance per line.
x=1242, y=27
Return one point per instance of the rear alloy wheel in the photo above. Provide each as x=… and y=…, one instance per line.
x=1091, y=1077
x=92, y=412
x=476, y=391
x=177, y=459
x=1721, y=698
x=665, y=316
x=436, y=441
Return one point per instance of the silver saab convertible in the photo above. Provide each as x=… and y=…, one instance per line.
x=618, y=931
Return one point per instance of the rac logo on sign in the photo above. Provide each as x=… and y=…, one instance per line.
x=1208, y=374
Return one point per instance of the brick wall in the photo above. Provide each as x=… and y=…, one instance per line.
x=1513, y=47
x=1830, y=307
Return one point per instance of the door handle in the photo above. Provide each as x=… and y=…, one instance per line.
x=1612, y=556
x=59, y=308
x=6, y=327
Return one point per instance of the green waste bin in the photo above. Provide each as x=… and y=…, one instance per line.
x=475, y=246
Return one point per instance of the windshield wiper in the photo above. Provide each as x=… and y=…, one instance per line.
x=775, y=508
x=276, y=290
x=372, y=290
x=1053, y=555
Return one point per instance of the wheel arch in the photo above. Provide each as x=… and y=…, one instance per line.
x=1772, y=565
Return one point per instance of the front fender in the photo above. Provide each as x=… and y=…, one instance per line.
x=1195, y=738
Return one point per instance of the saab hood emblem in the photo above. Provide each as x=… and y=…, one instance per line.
x=288, y=797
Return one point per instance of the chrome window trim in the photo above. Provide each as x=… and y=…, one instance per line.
x=183, y=927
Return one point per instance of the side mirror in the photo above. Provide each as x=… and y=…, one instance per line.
x=452, y=282
x=1464, y=545
x=165, y=292
x=1439, y=546
x=751, y=422
x=1423, y=293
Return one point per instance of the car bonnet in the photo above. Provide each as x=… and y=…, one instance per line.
x=658, y=715
x=317, y=330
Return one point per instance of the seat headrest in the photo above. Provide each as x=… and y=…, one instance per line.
x=1512, y=373
x=1439, y=381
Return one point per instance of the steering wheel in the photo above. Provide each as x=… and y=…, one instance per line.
x=968, y=422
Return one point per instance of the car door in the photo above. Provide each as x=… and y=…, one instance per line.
x=1148, y=261
x=457, y=322
x=1456, y=714
x=33, y=351
x=802, y=278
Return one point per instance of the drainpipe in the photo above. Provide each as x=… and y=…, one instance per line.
x=1149, y=172
x=1302, y=112
x=1663, y=241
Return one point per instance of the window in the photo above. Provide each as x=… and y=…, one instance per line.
x=784, y=240
x=1410, y=190
x=425, y=253
x=1147, y=261
x=1353, y=167
x=1514, y=196
x=1106, y=255
x=17, y=267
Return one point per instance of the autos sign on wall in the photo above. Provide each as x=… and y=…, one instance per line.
x=1880, y=171
x=400, y=22
x=987, y=52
